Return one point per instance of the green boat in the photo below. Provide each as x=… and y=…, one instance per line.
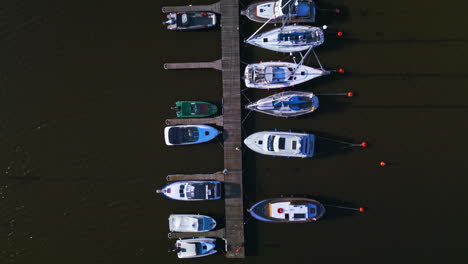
x=195, y=109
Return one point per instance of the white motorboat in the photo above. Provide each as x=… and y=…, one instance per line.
x=274, y=75
x=293, y=38
x=195, y=247
x=282, y=144
x=191, y=223
x=286, y=104
x=189, y=134
x=192, y=190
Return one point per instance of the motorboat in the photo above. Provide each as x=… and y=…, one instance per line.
x=191, y=223
x=195, y=247
x=288, y=210
x=293, y=38
x=282, y=144
x=192, y=190
x=188, y=109
x=286, y=104
x=276, y=11
x=189, y=134
x=190, y=20
x=274, y=75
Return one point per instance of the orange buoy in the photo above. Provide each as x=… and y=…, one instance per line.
x=363, y=144
x=339, y=34
x=337, y=11
x=350, y=94
x=341, y=70
x=382, y=164
x=361, y=209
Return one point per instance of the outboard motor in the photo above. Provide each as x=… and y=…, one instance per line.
x=169, y=22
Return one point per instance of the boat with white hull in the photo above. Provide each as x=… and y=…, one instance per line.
x=192, y=190
x=191, y=223
x=286, y=104
x=282, y=144
x=275, y=75
x=288, y=210
x=293, y=38
x=189, y=134
x=275, y=11
x=195, y=247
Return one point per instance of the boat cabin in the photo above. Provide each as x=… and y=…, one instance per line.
x=291, y=211
x=283, y=143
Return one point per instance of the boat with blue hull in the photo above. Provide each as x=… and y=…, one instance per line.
x=286, y=104
x=195, y=247
x=191, y=223
x=288, y=210
x=189, y=134
x=293, y=38
x=276, y=11
x=282, y=144
x=192, y=190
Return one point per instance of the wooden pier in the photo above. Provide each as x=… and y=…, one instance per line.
x=233, y=233
x=217, y=176
x=215, y=8
x=217, y=120
x=217, y=65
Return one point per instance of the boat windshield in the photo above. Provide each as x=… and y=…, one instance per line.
x=179, y=135
x=270, y=143
x=196, y=191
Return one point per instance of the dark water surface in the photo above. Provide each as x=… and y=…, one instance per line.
x=83, y=100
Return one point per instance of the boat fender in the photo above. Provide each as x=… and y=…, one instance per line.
x=280, y=210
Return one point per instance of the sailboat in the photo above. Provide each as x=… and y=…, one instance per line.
x=274, y=75
x=292, y=38
x=286, y=104
x=275, y=11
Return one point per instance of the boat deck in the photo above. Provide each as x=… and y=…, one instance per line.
x=231, y=119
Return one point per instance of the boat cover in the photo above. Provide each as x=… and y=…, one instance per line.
x=178, y=135
x=186, y=223
x=303, y=9
x=189, y=249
